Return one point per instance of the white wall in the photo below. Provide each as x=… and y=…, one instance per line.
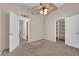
x=0, y=34
x=36, y=27
x=62, y=12
x=36, y=22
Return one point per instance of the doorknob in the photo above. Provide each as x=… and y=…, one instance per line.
x=11, y=33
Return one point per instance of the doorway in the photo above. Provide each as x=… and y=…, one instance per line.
x=60, y=30
x=23, y=30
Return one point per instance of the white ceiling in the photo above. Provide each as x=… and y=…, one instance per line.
x=31, y=4
x=36, y=4
x=59, y=4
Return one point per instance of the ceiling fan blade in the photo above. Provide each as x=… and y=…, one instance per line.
x=44, y=4
x=37, y=8
x=36, y=11
x=52, y=8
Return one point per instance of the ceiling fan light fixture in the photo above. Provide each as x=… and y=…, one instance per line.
x=44, y=8
x=45, y=11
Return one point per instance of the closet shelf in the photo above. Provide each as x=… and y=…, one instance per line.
x=60, y=28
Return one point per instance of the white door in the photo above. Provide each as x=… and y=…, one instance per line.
x=72, y=31
x=14, y=32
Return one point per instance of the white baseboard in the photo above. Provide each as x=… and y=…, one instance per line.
x=51, y=40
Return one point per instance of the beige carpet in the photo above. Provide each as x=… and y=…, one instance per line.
x=43, y=48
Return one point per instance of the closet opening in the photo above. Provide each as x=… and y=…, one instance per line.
x=60, y=30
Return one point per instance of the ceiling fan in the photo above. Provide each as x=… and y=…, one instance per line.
x=44, y=8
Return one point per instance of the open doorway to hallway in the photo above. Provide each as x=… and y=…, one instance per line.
x=23, y=29
x=60, y=30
